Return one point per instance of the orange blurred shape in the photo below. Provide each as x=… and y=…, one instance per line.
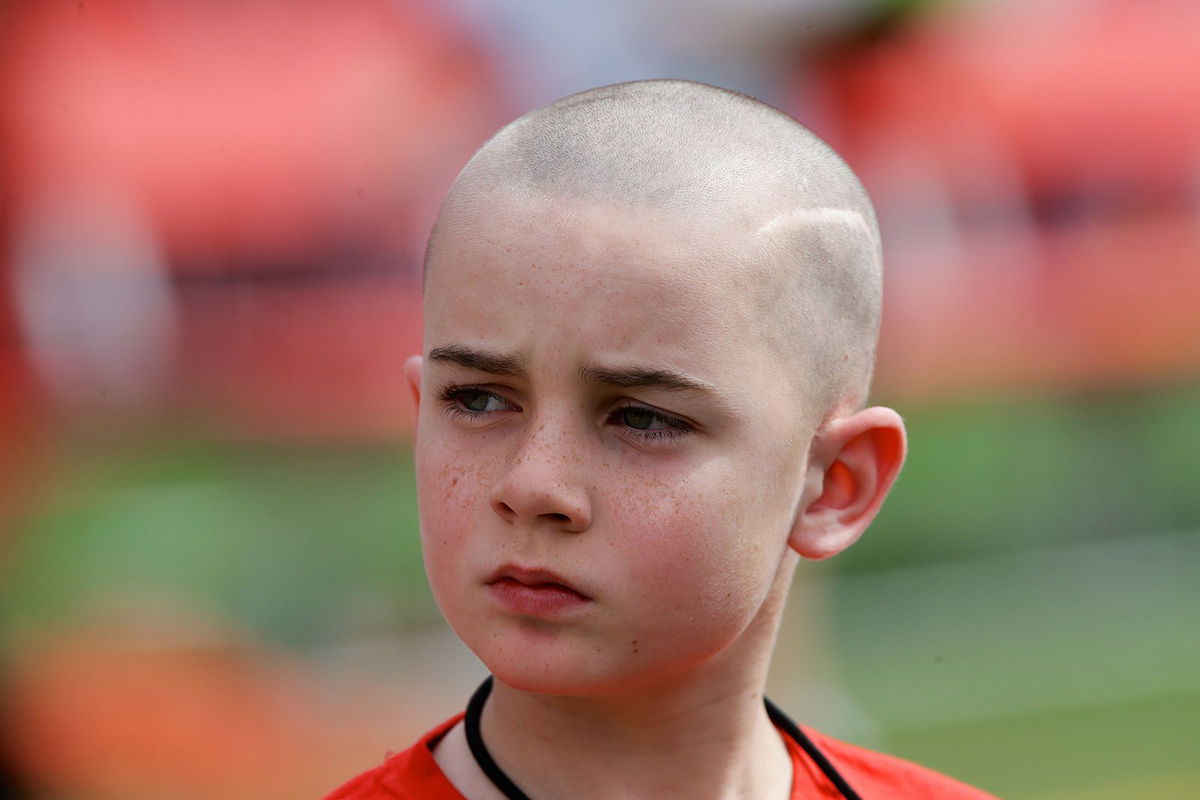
x=240, y=122
x=107, y=712
x=280, y=161
x=1035, y=167
x=1118, y=305
x=1074, y=92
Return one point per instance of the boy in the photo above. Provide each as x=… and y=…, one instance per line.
x=650, y=322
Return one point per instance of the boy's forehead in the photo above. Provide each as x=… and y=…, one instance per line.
x=646, y=284
x=663, y=270
x=608, y=240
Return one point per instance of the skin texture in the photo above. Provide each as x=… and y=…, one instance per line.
x=683, y=537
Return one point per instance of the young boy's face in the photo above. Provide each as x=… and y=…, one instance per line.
x=600, y=409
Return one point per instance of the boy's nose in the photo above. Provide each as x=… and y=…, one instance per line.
x=537, y=489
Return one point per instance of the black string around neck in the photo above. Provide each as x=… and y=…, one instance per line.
x=478, y=749
x=785, y=724
x=511, y=791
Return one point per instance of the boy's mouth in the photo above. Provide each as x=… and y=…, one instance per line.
x=534, y=592
x=532, y=579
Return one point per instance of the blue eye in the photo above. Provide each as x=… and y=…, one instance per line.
x=473, y=401
x=637, y=417
x=648, y=425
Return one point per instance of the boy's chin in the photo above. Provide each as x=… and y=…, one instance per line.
x=551, y=676
x=562, y=667
x=560, y=674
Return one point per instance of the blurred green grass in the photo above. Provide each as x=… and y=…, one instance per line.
x=1021, y=615
x=1058, y=668
x=298, y=544
x=1011, y=472
x=1141, y=749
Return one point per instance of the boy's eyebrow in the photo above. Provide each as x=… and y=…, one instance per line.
x=628, y=378
x=641, y=378
x=493, y=363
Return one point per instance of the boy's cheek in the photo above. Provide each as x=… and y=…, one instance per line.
x=443, y=486
x=449, y=471
x=707, y=526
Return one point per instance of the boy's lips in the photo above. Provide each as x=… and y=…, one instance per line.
x=533, y=591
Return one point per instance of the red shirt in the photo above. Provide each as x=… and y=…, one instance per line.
x=414, y=775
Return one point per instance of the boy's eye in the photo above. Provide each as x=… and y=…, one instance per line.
x=473, y=401
x=649, y=425
x=637, y=417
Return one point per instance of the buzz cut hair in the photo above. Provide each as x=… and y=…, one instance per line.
x=709, y=153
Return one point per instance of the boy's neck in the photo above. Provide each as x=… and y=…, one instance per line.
x=689, y=746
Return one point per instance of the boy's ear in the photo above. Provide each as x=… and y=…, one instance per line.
x=852, y=464
x=412, y=371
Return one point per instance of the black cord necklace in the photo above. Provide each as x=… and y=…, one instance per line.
x=510, y=790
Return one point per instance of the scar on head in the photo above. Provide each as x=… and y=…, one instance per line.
x=808, y=216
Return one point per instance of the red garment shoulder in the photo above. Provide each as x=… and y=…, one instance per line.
x=875, y=775
x=414, y=775
x=410, y=775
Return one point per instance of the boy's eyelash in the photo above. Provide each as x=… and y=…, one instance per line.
x=674, y=426
x=452, y=399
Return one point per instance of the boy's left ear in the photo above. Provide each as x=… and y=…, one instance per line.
x=412, y=371
x=852, y=464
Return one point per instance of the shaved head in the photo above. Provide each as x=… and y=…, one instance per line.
x=724, y=161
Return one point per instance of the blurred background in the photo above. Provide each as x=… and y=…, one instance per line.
x=212, y=217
